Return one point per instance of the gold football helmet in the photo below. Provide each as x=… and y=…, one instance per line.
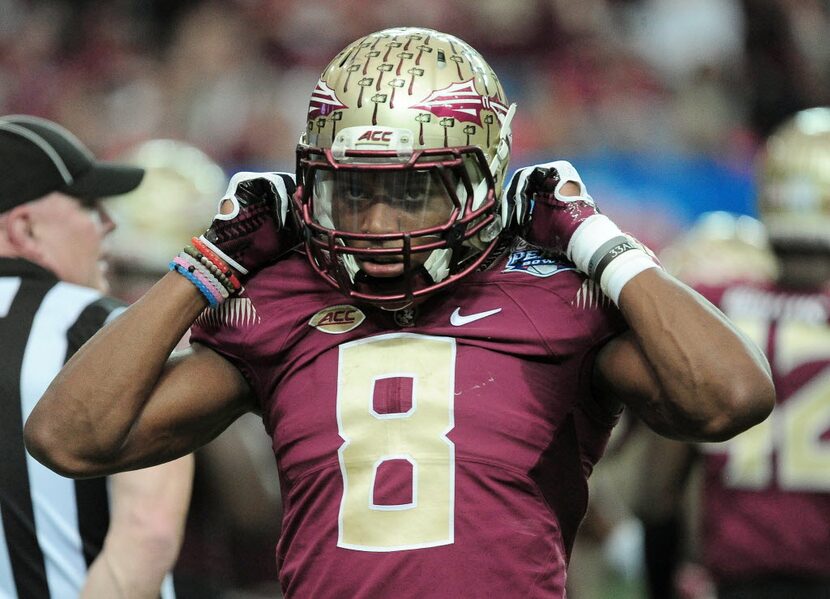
x=720, y=248
x=177, y=196
x=415, y=121
x=794, y=182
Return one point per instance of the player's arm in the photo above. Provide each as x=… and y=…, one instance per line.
x=122, y=402
x=147, y=516
x=683, y=368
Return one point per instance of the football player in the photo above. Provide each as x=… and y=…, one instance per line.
x=765, y=499
x=441, y=363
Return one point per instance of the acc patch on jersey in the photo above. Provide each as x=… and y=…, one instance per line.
x=533, y=261
x=336, y=320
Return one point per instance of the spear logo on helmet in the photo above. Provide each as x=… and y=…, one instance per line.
x=462, y=102
x=323, y=101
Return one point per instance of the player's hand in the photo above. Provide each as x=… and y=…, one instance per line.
x=253, y=226
x=550, y=201
x=554, y=211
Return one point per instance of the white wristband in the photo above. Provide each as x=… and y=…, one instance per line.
x=599, y=247
x=592, y=234
x=621, y=270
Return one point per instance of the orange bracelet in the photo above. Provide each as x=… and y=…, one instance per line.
x=214, y=270
x=218, y=262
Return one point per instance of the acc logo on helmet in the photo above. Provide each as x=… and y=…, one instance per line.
x=379, y=135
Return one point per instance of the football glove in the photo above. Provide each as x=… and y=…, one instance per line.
x=252, y=227
x=573, y=226
x=545, y=216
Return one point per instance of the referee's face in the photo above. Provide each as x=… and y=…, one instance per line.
x=71, y=236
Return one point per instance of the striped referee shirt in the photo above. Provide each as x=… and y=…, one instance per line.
x=51, y=527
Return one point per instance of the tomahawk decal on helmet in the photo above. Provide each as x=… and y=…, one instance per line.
x=462, y=102
x=413, y=121
x=323, y=101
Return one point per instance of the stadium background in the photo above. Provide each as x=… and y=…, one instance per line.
x=661, y=104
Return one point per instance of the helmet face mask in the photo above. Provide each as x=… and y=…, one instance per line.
x=425, y=224
x=400, y=173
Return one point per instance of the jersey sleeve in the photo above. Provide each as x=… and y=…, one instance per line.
x=589, y=319
x=225, y=330
x=600, y=321
x=573, y=320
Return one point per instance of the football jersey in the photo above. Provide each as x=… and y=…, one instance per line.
x=766, y=494
x=441, y=451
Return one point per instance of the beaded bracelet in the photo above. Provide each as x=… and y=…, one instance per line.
x=200, y=257
x=199, y=285
x=214, y=270
x=192, y=266
x=191, y=269
x=222, y=255
x=206, y=273
x=221, y=280
x=218, y=262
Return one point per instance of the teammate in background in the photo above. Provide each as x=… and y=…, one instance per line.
x=437, y=390
x=720, y=249
x=175, y=198
x=64, y=538
x=230, y=526
x=765, y=497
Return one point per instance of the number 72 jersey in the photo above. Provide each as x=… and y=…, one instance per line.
x=767, y=491
x=442, y=452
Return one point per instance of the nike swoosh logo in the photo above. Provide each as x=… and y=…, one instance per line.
x=457, y=320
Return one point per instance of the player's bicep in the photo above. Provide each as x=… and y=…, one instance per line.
x=623, y=375
x=198, y=395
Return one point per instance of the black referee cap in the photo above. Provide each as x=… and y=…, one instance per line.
x=38, y=157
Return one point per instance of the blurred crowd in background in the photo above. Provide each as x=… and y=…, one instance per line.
x=661, y=105
x=676, y=85
x=234, y=76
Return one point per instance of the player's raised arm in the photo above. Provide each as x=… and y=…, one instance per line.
x=123, y=402
x=682, y=367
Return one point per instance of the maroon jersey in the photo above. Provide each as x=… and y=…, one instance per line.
x=766, y=493
x=440, y=452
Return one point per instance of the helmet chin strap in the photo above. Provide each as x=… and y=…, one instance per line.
x=418, y=278
x=438, y=264
x=501, y=159
x=351, y=266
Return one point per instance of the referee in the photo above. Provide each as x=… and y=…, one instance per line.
x=59, y=538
